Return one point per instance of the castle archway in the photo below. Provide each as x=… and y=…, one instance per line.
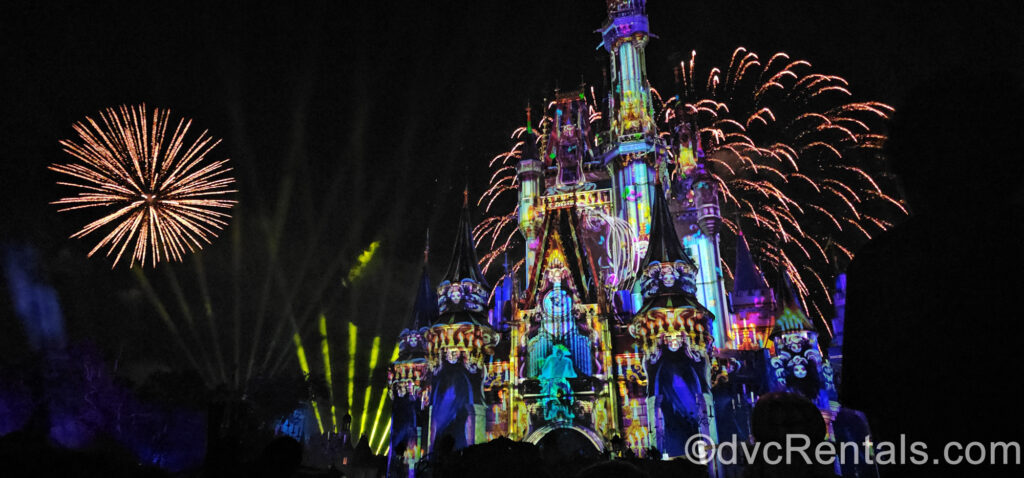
x=563, y=443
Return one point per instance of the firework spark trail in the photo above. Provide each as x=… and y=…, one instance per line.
x=792, y=156
x=159, y=200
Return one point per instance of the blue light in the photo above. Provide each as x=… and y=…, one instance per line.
x=35, y=302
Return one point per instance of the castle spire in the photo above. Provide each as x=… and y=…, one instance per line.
x=529, y=139
x=668, y=271
x=504, y=297
x=664, y=245
x=674, y=330
x=462, y=293
x=412, y=342
x=464, y=263
x=792, y=314
x=625, y=34
x=630, y=151
x=752, y=302
x=458, y=344
x=530, y=174
x=529, y=122
x=747, y=276
x=426, y=249
x=424, y=309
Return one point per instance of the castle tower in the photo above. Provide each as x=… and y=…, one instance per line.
x=753, y=304
x=835, y=347
x=568, y=144
x=632, y=140
x=674, y=331
x=498, y=377
x=703, y=244
x=530, y=174
x=407, y=385
x=796, y=357
x=459, y=344
x=505, y=294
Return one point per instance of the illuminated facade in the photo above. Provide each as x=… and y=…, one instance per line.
x=619, y=324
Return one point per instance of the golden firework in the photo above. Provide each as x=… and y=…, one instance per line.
x=158, y=192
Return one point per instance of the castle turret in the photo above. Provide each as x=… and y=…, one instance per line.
x=625, y=35
x=835, y=347
x=792, y=317
x=704, y=244
x=530, y=175
x=753, y=303
x=674, y=331
x=458, y=344
x=796, y=357
x=685, y=139
x=407, y=382
x=631, y=153
x=568, y=145
x=705, y=198
x=505, y=295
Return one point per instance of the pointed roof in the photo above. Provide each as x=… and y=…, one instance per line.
x=411, y=343
x=747, y=276
x=424, y=308
x=792, y=315
x=503, y=299
x=464, y=263
x=462, y=293
x=559, y=240
x=664, y=245
x=508, y=286
x=530, y=139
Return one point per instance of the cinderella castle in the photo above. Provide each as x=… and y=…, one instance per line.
x=622, y=325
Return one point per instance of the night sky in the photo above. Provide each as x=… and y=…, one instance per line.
x=349, y=123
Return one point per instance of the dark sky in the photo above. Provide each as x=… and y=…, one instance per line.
x=358, y=122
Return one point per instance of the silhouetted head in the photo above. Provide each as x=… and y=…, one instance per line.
x=779, y=414
x=149, y=472
x=446, y=444
x=612, y=469
x=280, y=458
x=955, y=140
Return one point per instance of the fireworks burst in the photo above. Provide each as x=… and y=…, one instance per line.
x=162, y=197
x=793, y=157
